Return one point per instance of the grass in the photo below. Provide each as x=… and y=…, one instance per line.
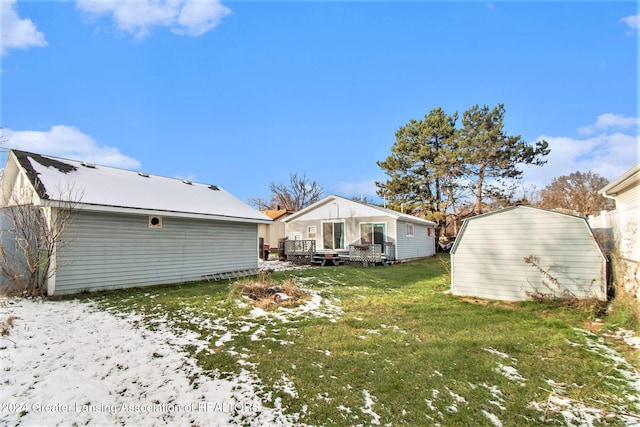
x=387, y=345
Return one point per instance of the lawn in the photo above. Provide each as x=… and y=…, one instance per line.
x=388, y=345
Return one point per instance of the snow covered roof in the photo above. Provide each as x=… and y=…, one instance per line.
x=111, y=189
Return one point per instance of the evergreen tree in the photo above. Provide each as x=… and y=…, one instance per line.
x=489, y=154
x=423, y=165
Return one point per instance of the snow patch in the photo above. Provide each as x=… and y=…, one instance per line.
x=67, y=362
x=368, y=408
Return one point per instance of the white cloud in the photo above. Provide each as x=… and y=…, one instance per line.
x=633, y=22
x=67, y=142
x=17, y=33
x=607, y=154
x=138, y=17
x=610, y=121
x=357, y=189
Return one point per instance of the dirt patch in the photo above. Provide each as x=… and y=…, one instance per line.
x=490, y=303
x=265, y=295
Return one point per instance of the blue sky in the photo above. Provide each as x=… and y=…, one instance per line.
x=243, y=93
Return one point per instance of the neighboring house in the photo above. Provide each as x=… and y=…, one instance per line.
x=623, y=223
x=271, y=234
x=335, y=223
x=517, y=252
x=135, y=229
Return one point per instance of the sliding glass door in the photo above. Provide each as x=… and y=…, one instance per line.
x=333, y=235
x=372, y=234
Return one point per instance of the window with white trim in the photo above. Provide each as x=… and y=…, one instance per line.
x=409, y=230
x=333, y=235
x=372, y=234
x=312, y=232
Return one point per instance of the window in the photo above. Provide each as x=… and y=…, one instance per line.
x=409, y=230
x=430, y=232
x=372, y=234
x=312, y=232
x=333, y=235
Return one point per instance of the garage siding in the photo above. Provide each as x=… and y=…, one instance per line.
x=106, y=251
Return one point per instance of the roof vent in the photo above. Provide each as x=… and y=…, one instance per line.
x=214, y=188
x=88, y=165
x=143, y=174
x=186, y=181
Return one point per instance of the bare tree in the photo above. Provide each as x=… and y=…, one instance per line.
x=576, y=193
x=31, y=237
x=299, y=193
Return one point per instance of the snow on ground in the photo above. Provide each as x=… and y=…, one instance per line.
x=277, y=265
x=67, y=362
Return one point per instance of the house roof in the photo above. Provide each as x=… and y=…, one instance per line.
x=276, y=213
x=112, y=189
x=630, y=178
x=510, y=208
x=383, y=211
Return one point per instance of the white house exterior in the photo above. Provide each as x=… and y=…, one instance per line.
x=271, y=234
x=135, y=229
x=488, y=259
x=623, y=223
x=335, y=223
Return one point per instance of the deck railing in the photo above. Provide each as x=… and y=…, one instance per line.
x=300, y=251
x=365, y=254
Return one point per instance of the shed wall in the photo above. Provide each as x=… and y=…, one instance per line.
x=106, y=251
x=488, y=260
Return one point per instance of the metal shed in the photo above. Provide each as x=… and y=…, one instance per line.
x=517, y=252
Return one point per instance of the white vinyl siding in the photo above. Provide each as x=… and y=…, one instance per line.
x=105, y=251
x=488, y=259
x=628, y=207
x=354, y=215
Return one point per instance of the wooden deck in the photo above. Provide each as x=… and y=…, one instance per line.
x=304, y=252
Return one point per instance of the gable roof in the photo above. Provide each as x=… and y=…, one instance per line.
x=118, y=190
x=517, y=207
x=276, y=213
x=383, y=211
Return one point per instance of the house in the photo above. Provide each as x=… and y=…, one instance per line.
x=623, y=223
x=520, y=252
x=132, y=228
x=271, y=234
x=336, y=224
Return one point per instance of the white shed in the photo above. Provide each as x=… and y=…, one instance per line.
x=515, y=252
x=335, y=223
x=135, y=229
